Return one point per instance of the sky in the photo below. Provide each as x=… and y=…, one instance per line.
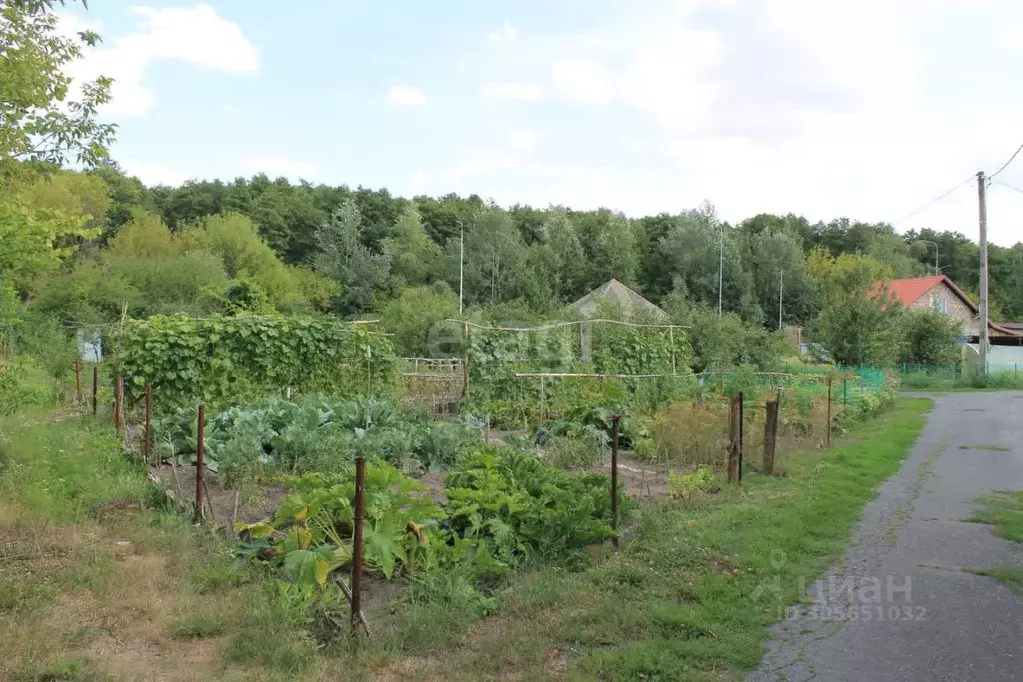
x=867, y=110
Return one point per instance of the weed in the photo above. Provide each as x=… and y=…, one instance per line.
x=1011, y=576
x=196, y=627
x=1004, y=510
x=64, y=669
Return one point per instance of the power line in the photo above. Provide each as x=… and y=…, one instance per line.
x=1007, y=186
x=1006, y=164
x=934, y=200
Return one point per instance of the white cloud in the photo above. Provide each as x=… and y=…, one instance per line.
x=227, y=108
x=506, y=34
x=153, y=173
x=275, y=166
x=524, y=140
x=195, y=35
x=771, y=105
x=584, y=82
x=403, y=96
x=511, y=91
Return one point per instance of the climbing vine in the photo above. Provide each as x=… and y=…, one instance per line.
x=220, y=359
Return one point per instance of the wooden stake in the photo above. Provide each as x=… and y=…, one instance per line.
x=200, y=446
x=733, y=449
x=118, y=403
x=360, y=493
x=616, y=421
x=829, y=412
x=148, y=447
x=770, y=436
x=78, y=381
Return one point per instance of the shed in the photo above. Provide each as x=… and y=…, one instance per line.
x=621, y=295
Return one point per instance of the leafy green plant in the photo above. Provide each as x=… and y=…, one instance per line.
x=682, y=486
x=219, y=358
x=316, y=433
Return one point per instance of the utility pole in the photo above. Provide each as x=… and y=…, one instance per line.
x=721, y=265
x=781, y=290
x=983, y=333
x=461, y=261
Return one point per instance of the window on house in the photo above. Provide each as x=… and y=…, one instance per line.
x=939, y=302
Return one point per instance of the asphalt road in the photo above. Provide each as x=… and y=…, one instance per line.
x=899, y=606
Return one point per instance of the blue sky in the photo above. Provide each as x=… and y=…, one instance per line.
x=866, y=109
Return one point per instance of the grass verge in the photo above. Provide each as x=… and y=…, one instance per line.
x=100, y=580
x=685, y=597
x=1004, y=511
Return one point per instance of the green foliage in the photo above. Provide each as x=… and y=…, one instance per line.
x=38, y=122
x=218, y=358
x=412, y=315
x=931, y=337
x=859, y=331
x=504, y=510
x=683, y=486
x=345, y=259
x=316, y=433
x=721, y=342
x=521, y=509
x=34, y=241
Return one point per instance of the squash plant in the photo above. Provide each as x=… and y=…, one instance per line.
x=219, y=358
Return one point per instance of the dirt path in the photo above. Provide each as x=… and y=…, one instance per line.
x=914, y=613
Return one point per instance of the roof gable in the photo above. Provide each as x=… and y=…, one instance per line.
x=617, y=293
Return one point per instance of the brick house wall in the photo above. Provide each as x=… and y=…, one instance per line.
x=942, y=298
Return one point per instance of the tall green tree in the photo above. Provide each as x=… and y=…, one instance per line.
x=413, y=255
x=346, y=260
x=38, y=120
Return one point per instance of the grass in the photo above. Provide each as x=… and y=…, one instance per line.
x=1004, y=511
x=996, y=381
x=1011, y=576
x=681, y=599
x=98, y=575
x=195, y=627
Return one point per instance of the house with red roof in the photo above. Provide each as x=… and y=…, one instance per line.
x=941, y=293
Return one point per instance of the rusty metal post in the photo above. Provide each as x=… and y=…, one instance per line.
x=543, y=389
x=829, y=411
x=118, y=403
x=147, y=449
x=465, y=360
x=733, y=448
x=360, y=493
x=95, y=389
x=616, y=421
x=78, y=381
x=770, y=436
x=200, y=447
x=742, y=431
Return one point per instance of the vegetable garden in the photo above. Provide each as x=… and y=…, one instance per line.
x=518, y=478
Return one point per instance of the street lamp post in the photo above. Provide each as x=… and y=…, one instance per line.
x=937, y=271
x=721, y=265
x=461, y=261
x=781, y=290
